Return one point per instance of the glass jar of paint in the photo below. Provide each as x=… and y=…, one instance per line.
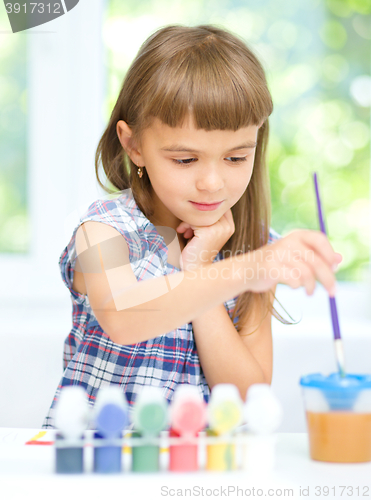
x=338, y=413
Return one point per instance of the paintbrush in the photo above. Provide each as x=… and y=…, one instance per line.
x=339, y=350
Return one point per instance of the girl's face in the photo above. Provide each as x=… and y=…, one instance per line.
x=186, y=165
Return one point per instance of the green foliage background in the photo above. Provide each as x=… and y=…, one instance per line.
x=317, y=59
x=316, y=54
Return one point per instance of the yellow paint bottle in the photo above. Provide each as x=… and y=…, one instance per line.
x=221, y=456
x=224, y=415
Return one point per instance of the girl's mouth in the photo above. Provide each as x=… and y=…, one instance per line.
x=206, y=206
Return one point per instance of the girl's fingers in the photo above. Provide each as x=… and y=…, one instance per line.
x=301, y=275
x=339, y=258
x=319, y=242
x=311, y=264
x=186, y=229
x=188, y=233
x=226, y=222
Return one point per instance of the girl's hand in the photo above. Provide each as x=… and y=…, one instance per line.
x=298, y=259
x=205, y=242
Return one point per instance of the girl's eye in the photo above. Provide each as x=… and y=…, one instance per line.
x=234, y=159
x=184, y=162
x=187, y=161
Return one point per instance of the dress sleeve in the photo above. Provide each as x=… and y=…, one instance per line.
x=107, y=212
x=273, y=236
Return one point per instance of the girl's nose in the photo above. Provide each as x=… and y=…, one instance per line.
x=210, y=180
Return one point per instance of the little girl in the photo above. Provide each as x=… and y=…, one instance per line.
x=172, y=280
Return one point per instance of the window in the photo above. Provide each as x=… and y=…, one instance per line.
x=65, y=87
x=14, y=210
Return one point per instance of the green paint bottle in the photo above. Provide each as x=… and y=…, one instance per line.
x=150, y=417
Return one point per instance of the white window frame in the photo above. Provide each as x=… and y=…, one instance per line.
x=65, y=56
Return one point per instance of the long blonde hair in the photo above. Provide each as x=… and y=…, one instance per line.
x=210, y=73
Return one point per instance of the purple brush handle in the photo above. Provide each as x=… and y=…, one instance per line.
x=334, y=314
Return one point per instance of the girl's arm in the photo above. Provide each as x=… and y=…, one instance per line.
x=131, y=312
x=227, y=356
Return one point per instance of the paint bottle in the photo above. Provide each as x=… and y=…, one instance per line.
x=263, y=415
x=225, y=411
x=111, y=418
x=187, y=419
x=71, y=419
x=150, y=417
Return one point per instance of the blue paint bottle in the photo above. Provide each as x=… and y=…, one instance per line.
x=111, y=418
x=71, y=419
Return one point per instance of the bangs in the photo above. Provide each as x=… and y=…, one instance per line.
x=222, y=87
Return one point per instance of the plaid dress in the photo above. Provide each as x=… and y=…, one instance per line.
x=90, y=358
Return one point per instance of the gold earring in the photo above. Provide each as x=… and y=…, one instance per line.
x=140, y=172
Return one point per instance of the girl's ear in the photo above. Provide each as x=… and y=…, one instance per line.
x=125, y=134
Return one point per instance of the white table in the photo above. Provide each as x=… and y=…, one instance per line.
x=27, y=472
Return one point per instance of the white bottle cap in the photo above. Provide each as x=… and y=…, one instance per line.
x=259, y=390
x=186, y=391
x=72, y=411
x=150, y=413
x=225, y=391
x=149, y=393
x=262, y=410
x=110, y=394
